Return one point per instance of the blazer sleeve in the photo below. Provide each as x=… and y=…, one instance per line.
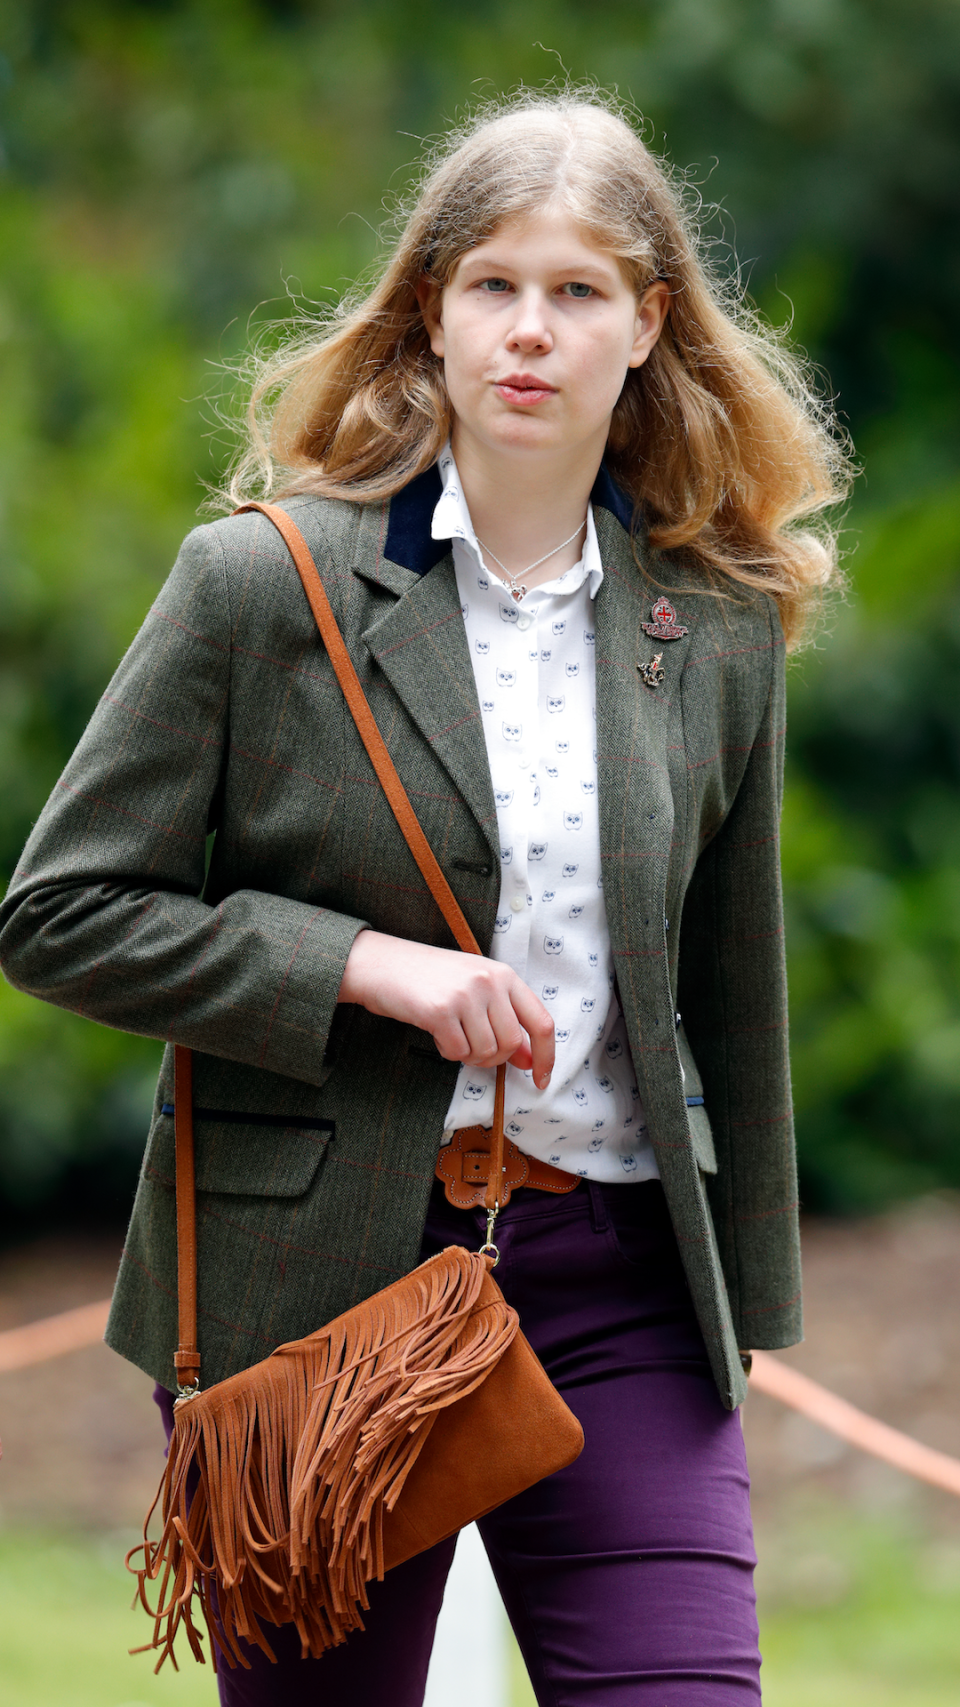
x=104, y=913
x=733, y=995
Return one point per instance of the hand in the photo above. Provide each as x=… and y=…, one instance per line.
x=478, y=1011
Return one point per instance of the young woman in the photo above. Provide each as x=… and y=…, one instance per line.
x=560, y=491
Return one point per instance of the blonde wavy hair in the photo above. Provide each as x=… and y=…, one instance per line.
x=721, y=438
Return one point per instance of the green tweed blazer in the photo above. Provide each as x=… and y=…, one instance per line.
x=219, y=838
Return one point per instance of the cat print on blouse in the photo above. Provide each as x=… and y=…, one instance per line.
x=534, y=666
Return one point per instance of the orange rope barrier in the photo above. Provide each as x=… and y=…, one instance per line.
x=73, y=1329
x=779, y=1381
x=36, y=1341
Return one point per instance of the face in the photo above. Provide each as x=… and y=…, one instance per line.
x=537, y=329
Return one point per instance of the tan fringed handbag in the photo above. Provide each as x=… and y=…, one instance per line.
x=345, y=1453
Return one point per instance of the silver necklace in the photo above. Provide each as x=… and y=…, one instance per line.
x=517, y=590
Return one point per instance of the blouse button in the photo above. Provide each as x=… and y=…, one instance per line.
x=517, y=904
x=524, y=621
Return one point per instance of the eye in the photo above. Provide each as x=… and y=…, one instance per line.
x=495, y=286
x=579, y=290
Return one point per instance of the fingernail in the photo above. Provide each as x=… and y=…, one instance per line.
x=544, y=1082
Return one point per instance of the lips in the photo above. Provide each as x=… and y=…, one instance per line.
x=524, y=388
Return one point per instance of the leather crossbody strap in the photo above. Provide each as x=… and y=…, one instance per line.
x=187, y=1358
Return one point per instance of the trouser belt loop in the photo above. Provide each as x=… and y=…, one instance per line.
x=599, y=1220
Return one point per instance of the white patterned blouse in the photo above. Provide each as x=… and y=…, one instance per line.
x=534, y=669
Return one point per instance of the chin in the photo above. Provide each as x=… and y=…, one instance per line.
x=523, y=432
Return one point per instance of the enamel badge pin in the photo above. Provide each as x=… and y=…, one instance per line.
x=664, y=625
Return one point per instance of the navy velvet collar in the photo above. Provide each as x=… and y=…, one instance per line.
x=409, y=542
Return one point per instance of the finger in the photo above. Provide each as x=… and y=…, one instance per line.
x=451, y=1041
x=539, y=1027
x=522, y=1058
x=482, y=1040
x=510, y=1035
x=476, y=1023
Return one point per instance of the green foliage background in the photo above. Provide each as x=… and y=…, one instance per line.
x=172, y=166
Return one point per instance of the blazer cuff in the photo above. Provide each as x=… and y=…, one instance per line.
x=297, y=1029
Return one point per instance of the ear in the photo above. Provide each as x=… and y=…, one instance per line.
x=430, y=298
x=651, y=314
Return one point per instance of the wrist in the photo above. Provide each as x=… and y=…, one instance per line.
x=352, y=984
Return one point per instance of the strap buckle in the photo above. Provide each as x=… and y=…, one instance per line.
x=488, y=1248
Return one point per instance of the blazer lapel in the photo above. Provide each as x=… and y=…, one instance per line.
x=635, y=795
x=420, y=645
x=636, y=804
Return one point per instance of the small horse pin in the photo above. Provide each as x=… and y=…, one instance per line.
x=651, y=674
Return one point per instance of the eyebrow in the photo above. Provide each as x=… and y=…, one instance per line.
x=494, y=267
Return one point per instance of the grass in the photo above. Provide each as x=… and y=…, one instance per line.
x=859, y=1613
x=854, y=1613
x=66, y=1625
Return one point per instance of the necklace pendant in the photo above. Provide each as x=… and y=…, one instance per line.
x=517, y=593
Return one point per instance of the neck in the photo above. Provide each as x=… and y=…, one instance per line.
x=522, y=505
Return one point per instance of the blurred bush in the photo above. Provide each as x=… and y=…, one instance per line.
x=871, y=843
x=171, y=167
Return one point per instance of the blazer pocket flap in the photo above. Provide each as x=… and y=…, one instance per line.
x=247, y=1155
x=701, y=1136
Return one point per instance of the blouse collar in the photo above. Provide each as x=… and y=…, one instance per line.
x=451, y=520
x=410, y=542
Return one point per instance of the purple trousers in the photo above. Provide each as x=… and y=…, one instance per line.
x=627, y=1577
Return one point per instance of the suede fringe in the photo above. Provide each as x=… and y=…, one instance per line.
x=300, y=1457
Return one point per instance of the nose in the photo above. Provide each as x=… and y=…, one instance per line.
x=530, y=330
